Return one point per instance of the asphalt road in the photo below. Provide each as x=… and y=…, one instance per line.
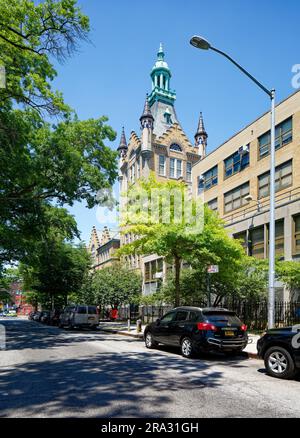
x=48, y=372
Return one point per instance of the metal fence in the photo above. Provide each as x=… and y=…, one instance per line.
x=254, y=314
x=146, y=313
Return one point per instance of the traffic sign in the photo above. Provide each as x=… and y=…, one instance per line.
x=213, y=269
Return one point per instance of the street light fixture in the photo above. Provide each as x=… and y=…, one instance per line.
x=201, y=43
x=250, y=198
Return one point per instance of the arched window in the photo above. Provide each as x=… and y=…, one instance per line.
x=175, y=147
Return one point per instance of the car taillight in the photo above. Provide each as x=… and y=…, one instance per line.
x=206, y=326
x=244, y=327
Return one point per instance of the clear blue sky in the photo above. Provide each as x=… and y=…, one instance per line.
x=110, y=76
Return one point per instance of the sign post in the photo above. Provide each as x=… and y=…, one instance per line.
x=211, y=269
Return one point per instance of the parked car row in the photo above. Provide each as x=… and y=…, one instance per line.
x=8, y=312
x=71, y=316
x=195, y=330
x=50, y=317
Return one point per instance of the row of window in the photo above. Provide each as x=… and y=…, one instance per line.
x=235, y=198
x=240, y=159
x=132, y=261
x=283, y=179
x=175, y=168
x=152, y=269
x=256, y=240
x=283, y=135
x=134, y=171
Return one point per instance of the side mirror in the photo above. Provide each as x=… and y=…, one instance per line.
x=157, y=321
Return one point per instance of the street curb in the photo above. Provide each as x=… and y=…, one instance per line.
x=116, y=332
x=252, y=355
x=140, y=336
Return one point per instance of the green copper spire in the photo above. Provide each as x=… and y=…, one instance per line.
x=161, y=75
x=160, y=53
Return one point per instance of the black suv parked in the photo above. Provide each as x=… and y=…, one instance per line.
x=195, y=329
x=280, y=349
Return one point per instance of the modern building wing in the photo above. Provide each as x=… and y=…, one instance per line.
x=235, y=181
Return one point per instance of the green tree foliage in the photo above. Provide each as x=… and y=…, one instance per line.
x=179, y=240
x=44, y=166
x=8, y=276
x=30, y=34
x=289, y=273
x=112, y=285
x=248, y=282
x=158, y=228
x=56, y=270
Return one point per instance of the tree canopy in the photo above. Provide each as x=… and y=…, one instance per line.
x=112, y=285
x=44, y=165
x=56, y=270
x=194, y=234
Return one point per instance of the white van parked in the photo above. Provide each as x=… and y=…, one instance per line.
x=79, y=316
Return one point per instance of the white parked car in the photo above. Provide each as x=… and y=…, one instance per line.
x=79, y=316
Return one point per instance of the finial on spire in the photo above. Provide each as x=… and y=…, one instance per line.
x=123, y=143
x=160, y=53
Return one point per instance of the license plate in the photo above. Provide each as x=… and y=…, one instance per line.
x=91, y=317
x=229, y=333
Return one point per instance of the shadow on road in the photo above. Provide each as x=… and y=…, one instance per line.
x=136, y=384
x=110, y=383
x=22, y=334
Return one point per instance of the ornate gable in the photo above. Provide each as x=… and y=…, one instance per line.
x=134, y=143
x=105, y=236
x=175, y=134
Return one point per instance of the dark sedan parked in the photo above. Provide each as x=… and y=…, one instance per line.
x=45, y=317
x=280, y=350
x=197, y=329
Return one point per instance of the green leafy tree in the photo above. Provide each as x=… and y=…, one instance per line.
x=8, y=276
x=44, y=166
x=178, y=239
x=249, y=282
x=57, y=270
x=31, y=33
x=289, y=273
x=116, y=285
x=158, y=229
x=157, y=298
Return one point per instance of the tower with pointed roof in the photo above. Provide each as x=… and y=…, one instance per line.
x=201, y=138
x=122, y=148
x=146, y=121
x=162, y=98
x=161, y=147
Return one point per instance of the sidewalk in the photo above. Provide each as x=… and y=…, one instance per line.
x=121, y=328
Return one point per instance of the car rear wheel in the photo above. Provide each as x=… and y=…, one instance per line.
x=149, y=341
x=187, y=348
x=279, y=363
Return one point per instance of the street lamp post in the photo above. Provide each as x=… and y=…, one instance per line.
x=202, y=43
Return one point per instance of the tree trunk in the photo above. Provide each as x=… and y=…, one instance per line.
x=177, y=280
x=52, y=302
